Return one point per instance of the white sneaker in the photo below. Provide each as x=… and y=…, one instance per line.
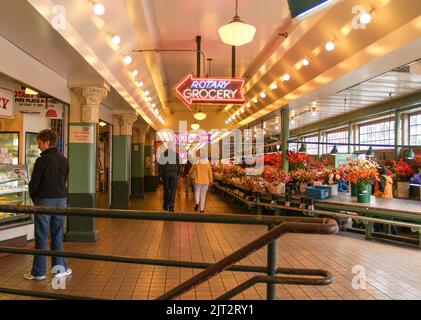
x=29, y=276
x=63, y=274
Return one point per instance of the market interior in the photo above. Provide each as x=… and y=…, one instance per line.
x=325, y=94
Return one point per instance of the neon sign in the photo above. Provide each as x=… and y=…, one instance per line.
x=210, y=90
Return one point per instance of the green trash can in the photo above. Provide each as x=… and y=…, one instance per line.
x=364, y=193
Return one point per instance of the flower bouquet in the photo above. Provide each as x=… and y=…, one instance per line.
x=298, y=160
x=331, y=177
x=274, y=160
x=258, y=184
x=303, y=177
x=402, y=172
x=276, y=180
x=361, y=173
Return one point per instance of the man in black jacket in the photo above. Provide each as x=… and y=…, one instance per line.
x=48, y=188
x=169, y=169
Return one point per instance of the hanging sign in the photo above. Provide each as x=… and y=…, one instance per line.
x=210, y=90
x=6, y=103
x=38, y=105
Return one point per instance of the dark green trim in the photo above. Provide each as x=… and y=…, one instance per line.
x=138, y=188
x=151, y=183
x=120, y=195
x=148, y=153
x=121, y=158
x=81, y=229
x=285, y=136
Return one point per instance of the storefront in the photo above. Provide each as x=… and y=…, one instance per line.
x=24, y=113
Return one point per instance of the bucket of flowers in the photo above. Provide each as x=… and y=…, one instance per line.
x=304, y=178
x=298, y=160
x=331, y=177
x=257, y=184
x=362, y=173
x=276, y=180
x=403, y=172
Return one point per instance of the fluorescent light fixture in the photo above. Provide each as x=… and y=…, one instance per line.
x=315, y=9
x=30, y=92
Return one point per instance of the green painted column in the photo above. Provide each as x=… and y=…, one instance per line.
x=138, y=162
x=121, y=162
x=398, y=134
x=285, y=136
x=84, y=116
x=151, y=180
x=319, y=146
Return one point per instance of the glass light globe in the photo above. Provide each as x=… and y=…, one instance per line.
x=128, y=59
x=287, y=77
x=195, y=126
x=200, y=116
x=237, y=33
x=306, y=62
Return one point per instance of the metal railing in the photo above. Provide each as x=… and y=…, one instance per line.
x=277, y=226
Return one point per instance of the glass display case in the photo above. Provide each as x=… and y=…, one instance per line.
x=31, y=150
x=14, y=182
x=9, y=148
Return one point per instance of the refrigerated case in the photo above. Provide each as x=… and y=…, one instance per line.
x=9, y=148
x=14, y=182
x=32, y=151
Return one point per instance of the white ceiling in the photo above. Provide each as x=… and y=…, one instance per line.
x=178, y=23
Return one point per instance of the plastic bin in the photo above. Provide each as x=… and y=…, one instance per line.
x=319, y=192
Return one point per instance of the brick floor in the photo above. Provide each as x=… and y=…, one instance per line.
x=391, y=271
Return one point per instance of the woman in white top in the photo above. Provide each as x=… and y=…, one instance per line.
x=201, y=173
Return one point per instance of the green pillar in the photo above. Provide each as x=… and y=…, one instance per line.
x=138, y=162
x=84, y=116
x=319, y=146
x=151, y=180
x=285, y=136
x=121, y=164
x=398, y=134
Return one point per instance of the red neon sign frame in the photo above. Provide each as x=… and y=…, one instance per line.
x=232, y=92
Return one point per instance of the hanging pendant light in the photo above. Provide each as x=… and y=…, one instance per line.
x=410, y=154
x=370, y=152
x=303, y=148
x=237, y=32
x=334, y=150
x=200, y=115
x=195, y=126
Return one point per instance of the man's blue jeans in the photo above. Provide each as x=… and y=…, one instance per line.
x=44, y=224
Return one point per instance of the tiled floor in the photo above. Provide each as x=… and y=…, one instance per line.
x=391, y=272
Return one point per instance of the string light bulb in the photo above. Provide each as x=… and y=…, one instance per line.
x=305, y=62
x=127, y=60
x=274, y=86
x=366, y=18
x=330, y=46
x=99, y=9
x=116, y=40
x=135, y=73
x=287, y=77
x=140, y=84
x=263, y=95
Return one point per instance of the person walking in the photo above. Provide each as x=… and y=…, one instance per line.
x=169, y=169
x=202, y=174
x=48, y=188
x=187, y=182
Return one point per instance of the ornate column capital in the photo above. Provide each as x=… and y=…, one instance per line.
x=90, y=98
x=150, y=138
x=123, y=124
x=141, y=132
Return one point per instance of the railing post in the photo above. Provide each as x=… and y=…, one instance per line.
x=272, y=257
